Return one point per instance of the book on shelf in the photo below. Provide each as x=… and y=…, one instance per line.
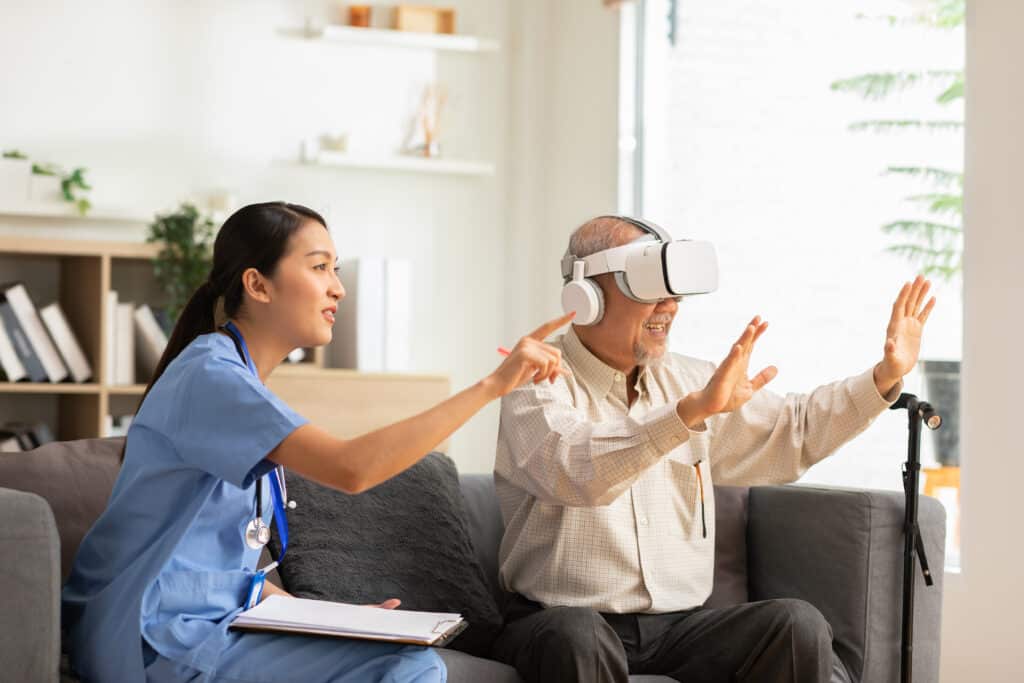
x=25, y=312
x=117, y=425
x=19, y=341
x=374, y=321
x=10, y=365
x=110, y=337
x=67, y=344
x=27, y=436
x=124, y=361
x=150, y=339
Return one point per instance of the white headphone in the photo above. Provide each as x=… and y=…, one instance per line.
x=582, y=294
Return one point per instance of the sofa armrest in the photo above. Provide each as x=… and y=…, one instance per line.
x=30, y=586
x=842, y=551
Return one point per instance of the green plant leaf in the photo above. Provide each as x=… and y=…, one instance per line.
x=943, y=263
x=45, y=169
x=937, y=176
x=13, y=154
x=185, y=260
x=954, y=92
x=883, y=125
x=941, y=202
x=879, y=85
x=926, y=229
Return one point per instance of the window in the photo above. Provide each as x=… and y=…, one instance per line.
x=789, y=132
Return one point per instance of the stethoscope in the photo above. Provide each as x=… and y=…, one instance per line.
x=257, y=533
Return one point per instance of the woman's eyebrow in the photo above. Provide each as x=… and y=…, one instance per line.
x=322, y=252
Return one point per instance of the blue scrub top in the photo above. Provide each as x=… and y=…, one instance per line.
x=167, y=560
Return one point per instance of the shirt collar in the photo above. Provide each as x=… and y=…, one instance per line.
x=591, y=370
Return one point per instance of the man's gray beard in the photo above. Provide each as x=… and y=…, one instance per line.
x=643, y=356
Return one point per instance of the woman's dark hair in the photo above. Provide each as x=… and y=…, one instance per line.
x=255, y=236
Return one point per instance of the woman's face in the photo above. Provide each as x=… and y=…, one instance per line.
x=305, y=289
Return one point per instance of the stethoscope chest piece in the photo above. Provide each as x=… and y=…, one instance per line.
x=257, y=534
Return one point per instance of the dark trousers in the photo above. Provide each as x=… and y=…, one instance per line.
x=773, y=640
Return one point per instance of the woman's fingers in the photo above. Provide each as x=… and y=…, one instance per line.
x=390, y=603
x=542, y=332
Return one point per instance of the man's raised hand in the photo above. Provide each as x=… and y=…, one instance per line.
x=729, y=387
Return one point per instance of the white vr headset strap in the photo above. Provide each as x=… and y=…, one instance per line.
x=608, y=261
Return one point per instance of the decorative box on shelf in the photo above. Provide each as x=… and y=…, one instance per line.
x=424, y=19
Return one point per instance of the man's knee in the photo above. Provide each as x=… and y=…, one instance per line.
x=809, y=628
x=577, y=629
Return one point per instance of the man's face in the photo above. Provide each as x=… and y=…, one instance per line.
x=630, y=329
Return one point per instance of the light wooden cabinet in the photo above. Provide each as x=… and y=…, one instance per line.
x=79, y=274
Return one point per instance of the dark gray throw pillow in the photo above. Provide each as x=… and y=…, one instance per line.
x=406, y=538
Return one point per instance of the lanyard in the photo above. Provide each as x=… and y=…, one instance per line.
x=276, y=481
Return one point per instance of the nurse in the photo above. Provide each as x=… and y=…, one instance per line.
x=166, y=567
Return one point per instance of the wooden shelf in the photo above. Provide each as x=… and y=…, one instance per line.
x=80, y=273
x=47, y=388
x=402, y=164
x=405, y=39
x=97, y=248
x=126, y=389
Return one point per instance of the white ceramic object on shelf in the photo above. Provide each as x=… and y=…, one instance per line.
x=14, y=180
x=45, y=189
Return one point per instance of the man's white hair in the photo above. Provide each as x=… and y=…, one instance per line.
x=601, y=233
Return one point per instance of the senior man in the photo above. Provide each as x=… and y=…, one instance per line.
x=605, y=483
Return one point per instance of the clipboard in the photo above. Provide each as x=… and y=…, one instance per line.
x=278, y=613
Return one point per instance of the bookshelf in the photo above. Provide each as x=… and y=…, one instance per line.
x=80, y=273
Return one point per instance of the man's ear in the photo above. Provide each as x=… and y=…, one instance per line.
x=256, y=286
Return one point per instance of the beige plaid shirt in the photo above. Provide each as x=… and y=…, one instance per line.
x=601, y=499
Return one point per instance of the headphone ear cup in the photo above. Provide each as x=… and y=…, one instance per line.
x=586, y=298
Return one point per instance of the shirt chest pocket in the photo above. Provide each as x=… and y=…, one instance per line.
x=691, y=494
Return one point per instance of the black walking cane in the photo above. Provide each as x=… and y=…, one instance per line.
x=917, y=411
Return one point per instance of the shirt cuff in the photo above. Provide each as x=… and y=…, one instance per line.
x=869, y=402
x=667, y=430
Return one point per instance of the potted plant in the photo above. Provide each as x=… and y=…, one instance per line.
x=15, y=171
x=933, y=238
x=186, y=257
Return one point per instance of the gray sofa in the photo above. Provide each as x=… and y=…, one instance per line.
x=838, y=549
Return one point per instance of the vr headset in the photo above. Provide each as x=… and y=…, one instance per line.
x=651, y=268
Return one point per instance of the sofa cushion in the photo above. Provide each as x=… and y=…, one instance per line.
x=407, y=538
x=74, y=477
x=730, y=585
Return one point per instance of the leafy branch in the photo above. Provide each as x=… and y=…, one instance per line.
x=935, y=245
x=185, y=260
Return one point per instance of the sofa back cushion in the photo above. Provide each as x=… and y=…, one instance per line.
x=74, y=477
x=405, y=538
x=730, y=583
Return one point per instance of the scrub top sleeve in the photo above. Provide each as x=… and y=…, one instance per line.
x=229, y=422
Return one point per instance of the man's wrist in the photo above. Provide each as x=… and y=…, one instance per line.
x=885, y=379
x=690, y=412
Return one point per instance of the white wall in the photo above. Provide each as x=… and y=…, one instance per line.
x=981, y=625
x=165, y=101
x=563, y=148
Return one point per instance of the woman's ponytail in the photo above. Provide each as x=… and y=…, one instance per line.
x=195, y=319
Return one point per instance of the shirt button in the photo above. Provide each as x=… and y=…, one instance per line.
x=618, y=377
x=643, y=521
